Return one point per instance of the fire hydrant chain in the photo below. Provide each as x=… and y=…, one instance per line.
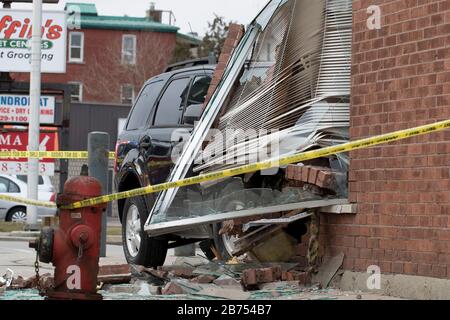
x=80, y=252
x=36, y=270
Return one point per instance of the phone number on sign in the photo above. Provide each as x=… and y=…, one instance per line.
x=13, y=118
x=9, y=167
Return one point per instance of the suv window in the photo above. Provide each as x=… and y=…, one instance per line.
x=143, y=106
x=171, y=105
x=199, y=90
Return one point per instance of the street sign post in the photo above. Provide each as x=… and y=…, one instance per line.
x=35, y=97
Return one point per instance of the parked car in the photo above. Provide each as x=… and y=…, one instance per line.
x=14, y=186
x=167, y=102
x=44, y=182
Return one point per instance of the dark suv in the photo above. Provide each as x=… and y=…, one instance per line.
x=166, y=104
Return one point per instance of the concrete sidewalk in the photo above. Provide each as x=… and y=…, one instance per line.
x=27, y=236
x=30, y=235
x=18, y=257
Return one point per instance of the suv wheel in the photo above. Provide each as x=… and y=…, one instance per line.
x=138, y=247
x=224, y=243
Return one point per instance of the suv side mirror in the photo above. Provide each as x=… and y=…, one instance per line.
x=192, y=113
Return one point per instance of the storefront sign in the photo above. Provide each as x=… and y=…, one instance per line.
x=15, y=41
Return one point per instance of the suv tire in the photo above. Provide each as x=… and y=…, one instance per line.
x=241, y=200
x=138, y=247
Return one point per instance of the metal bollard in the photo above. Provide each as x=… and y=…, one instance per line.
x=98, y=148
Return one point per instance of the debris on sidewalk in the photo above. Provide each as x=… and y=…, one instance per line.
x=253, y=277
x=328, y=270
x=173, y=288
x=114, y=274
x=225, y=293
x=203, y=279
x=225, y=280
x=7, y=278
x=157, y=277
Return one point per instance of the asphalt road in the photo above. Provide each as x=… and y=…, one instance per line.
x=19, y=258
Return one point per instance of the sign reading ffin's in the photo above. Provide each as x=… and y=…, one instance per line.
x=15, y=49
x=16, y=109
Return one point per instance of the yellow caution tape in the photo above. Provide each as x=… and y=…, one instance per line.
x=349, y=146
x=28, y=201
x=48, y=154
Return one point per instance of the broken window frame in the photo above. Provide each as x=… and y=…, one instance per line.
x=212, y=110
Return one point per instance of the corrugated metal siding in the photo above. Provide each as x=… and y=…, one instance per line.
x=85, y=118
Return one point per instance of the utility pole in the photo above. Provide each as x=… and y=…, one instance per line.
x=35, y=106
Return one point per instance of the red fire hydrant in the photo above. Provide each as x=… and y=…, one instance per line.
x=74, y=247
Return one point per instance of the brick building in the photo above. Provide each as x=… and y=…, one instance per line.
x=400, y=79
x=110, y=57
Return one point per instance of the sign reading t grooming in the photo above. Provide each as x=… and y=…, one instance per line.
x=15, y=33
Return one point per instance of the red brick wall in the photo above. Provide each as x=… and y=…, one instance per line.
x=400, y=79
x=102, y=73
x=235, y=34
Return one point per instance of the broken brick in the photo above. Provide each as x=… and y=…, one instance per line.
x=203, y=279
x=182, y=272
x=305, y=174
x=114, y=269
x=313, y=173
x=300, y=276
x=251, y=277
x=172, y=288
x=21, y=283
x=225, y=280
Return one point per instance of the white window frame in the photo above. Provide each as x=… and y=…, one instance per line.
x=133, y=36
x=80, y=91
x=132, y=92
x=72, y=59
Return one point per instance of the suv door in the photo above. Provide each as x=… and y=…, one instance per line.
x=168, y=129
x=129, y=141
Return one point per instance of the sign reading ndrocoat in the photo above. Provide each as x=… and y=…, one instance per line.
x=16, y=109
x=16, y=30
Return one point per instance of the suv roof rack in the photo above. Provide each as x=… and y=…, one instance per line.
x=191, y=63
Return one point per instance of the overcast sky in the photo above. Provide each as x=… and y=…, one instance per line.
x=195, y=12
